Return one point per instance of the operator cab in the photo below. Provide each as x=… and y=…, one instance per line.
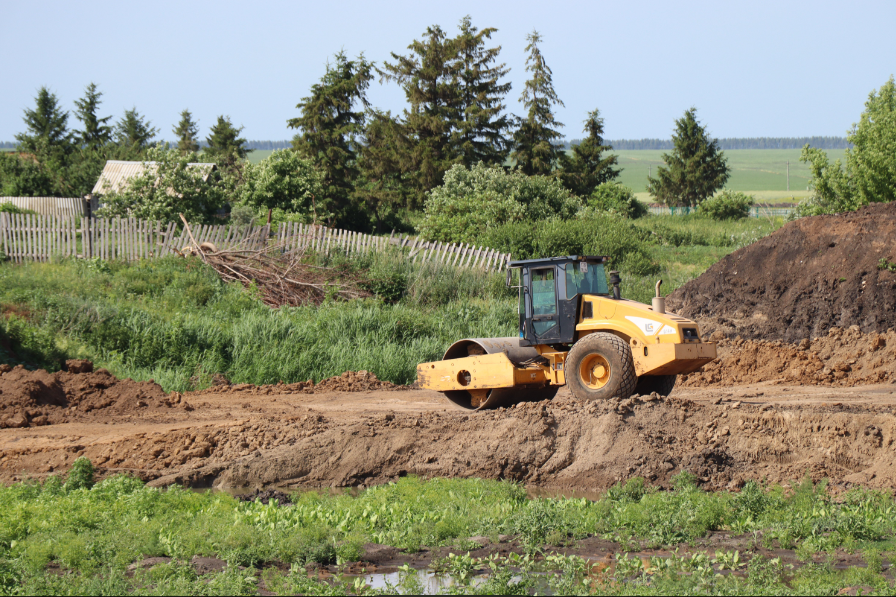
x=550, y=295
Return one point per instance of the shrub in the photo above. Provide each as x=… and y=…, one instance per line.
x=727, y=205
x=81, y=475
x=15, y=209
x=603, y=234
x=616, y=198
x=471, y=201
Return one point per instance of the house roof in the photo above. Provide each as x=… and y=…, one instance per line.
x=117, y=173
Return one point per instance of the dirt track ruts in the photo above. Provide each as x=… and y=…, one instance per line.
x=258, y=436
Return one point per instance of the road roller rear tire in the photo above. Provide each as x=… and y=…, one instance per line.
x=661, y=384
x=599, y=367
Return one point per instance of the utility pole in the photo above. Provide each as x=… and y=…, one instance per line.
x=788, y=176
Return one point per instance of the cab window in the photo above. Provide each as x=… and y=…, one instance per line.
x=585, y=278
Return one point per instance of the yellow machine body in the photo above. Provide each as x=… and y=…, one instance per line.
x=484, y=373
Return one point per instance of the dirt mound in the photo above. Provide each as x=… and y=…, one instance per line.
x=350, y=381
x=34, y=398
x=811, y=275
x=842, y=358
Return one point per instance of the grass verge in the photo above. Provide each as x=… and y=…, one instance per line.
x=76, y=537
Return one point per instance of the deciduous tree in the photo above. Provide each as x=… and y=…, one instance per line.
x=695, y=169
x=536, y=147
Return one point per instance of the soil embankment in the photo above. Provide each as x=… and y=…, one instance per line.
x=800, y=281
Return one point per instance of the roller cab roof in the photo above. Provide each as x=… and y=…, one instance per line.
x=556, y=260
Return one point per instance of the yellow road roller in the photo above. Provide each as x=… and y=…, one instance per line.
x=574, y=328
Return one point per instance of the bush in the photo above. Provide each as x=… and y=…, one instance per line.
x=15, y=209
x=81, y=475
x=727, y=205
x=471, y=201
x=602, y=234
x=616, y=198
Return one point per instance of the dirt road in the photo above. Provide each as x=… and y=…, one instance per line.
x=247, y=436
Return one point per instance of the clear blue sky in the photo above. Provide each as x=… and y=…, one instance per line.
x=751, y=68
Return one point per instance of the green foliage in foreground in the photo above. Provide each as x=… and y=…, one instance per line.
x=93, y=534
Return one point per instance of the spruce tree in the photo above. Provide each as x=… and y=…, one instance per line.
x=481, y=125
x=96, y=133
x=186, y=132
x=536, y=148
x=224, y=141
x=695, y=169
x=429, y=78
x=381, y=187
x=47, y=134
x=587, y=167
x=332, y=119
x=133, y=134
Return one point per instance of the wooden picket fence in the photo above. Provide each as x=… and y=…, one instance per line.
x=28, y=237
x=294, y=236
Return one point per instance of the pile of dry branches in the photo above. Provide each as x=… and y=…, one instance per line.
x=280, y=277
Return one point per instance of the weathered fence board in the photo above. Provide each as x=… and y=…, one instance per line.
x=25, y=237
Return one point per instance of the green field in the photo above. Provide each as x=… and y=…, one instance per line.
x=751, y=170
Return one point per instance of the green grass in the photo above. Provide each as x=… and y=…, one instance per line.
x=752, y=170
x=75, y=537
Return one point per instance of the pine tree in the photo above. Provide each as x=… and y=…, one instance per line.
x=536, y=141
x=695, y=169
x=429, y=78
x=329, y=127
x=186, y=132
x=588, y=167
x=481, y=126
x=97, y=133
x=133, y=134
x=224, y=142
x=381, y=187
x=47, y=128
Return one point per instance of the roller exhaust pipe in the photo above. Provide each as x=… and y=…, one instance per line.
x=659, y=303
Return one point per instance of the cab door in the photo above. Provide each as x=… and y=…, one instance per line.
x=543, y=325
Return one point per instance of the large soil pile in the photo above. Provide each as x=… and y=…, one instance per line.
x=811, y=275
x=842, y=358
x=34, y=398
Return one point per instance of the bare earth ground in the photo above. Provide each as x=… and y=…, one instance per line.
x=283, y=436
